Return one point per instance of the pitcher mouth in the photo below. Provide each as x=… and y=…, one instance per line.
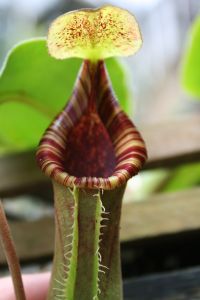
x=92, y=143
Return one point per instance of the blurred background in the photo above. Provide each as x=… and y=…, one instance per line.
x=155, y=69
x=160, y=107
x=153, y=74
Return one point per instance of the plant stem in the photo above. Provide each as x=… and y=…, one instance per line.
x=11, y=255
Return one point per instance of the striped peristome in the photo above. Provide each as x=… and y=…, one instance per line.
x=93, y=89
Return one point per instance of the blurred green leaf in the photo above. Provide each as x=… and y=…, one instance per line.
x=34, y=87
x=191, y=62
x=183, y=177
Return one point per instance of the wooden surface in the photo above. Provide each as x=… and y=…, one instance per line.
x=33, y=240
x=19, y=173
x=169, y=144
x=181, y=285
x=165, y=214
x=161, y=214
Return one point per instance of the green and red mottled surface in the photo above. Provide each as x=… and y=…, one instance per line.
x=94, y=34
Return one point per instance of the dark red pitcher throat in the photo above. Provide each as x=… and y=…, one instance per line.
x=89, y=148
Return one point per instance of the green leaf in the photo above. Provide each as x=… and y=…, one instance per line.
x=34, y=87
x=184, y=177
x=191, y=62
